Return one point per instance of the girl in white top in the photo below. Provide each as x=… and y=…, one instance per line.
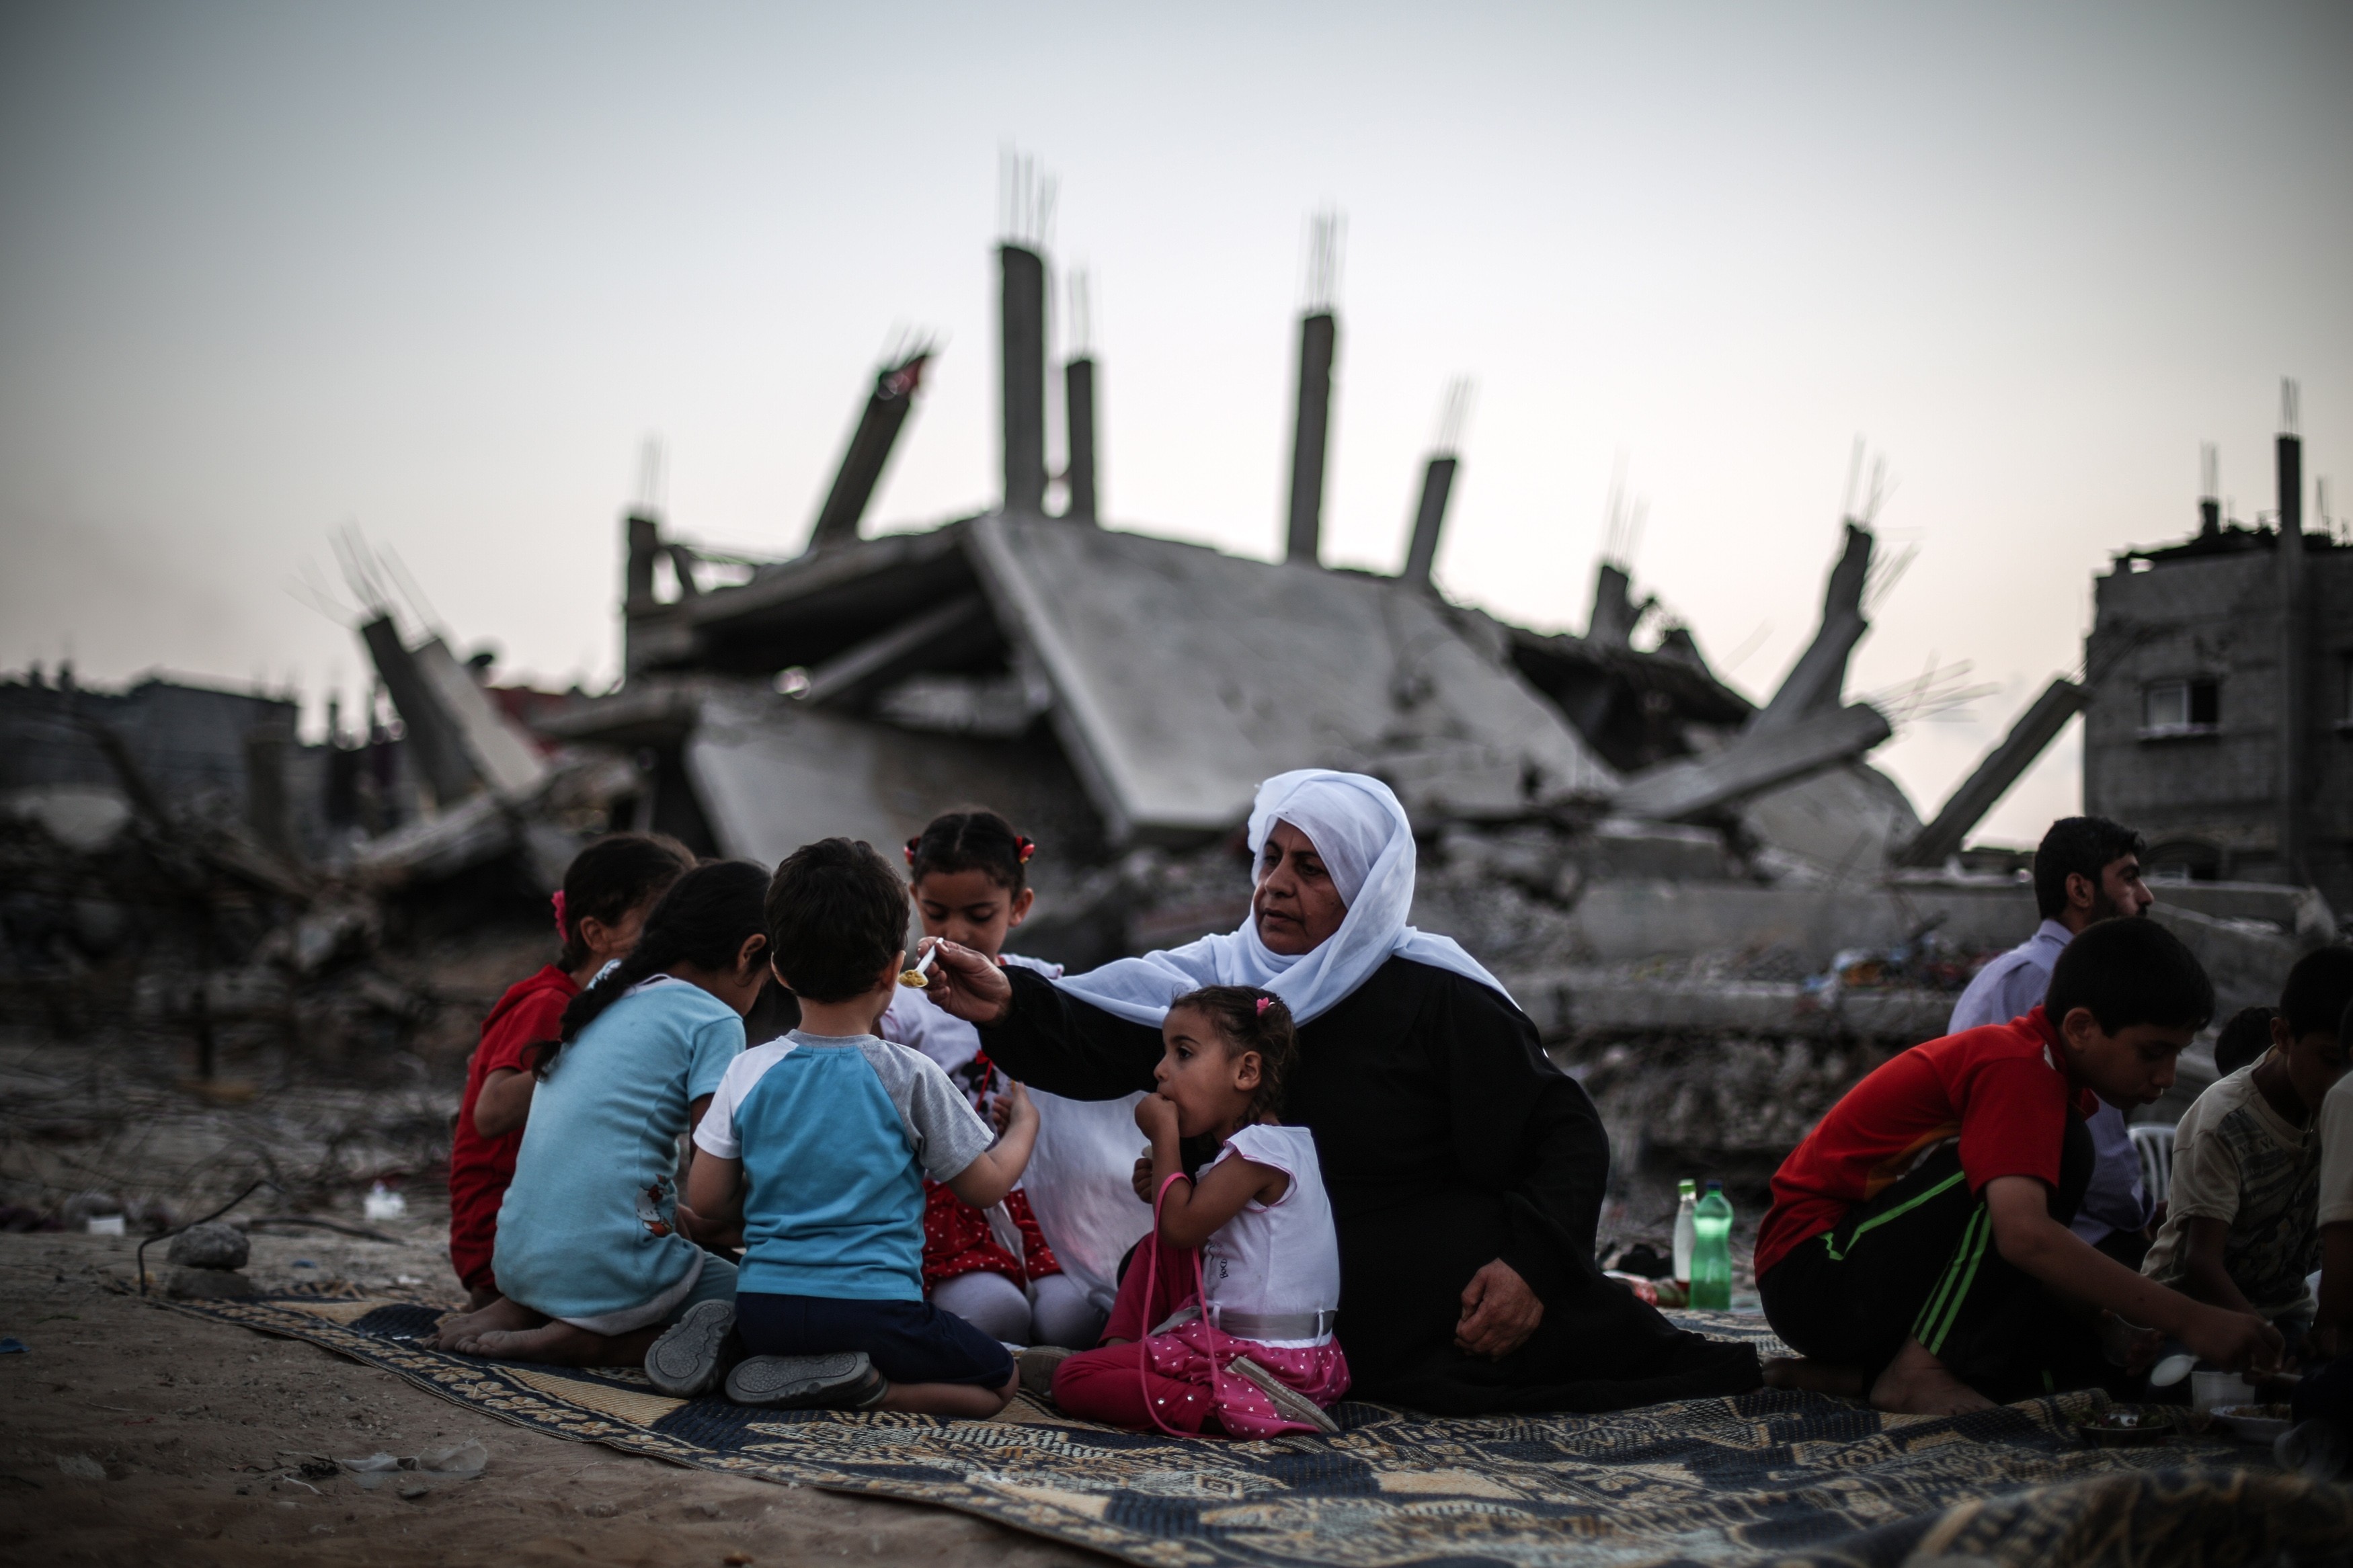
x=1224, y=1321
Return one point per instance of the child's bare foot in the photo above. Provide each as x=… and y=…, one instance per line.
x=478, y=1300
x=1808, y=1376
x=547, y=1342
x=560, y=1344
x=1917, y=1384
x=500, y=1315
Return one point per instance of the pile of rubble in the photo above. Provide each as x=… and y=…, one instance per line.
x=1718, y=911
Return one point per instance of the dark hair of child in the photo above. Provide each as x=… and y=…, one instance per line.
x=612, y=875
x=2088, y=845
x=1250, y=1020
x=976, y=839
x=835, y=914
x=2244, y=1039
x=2318, y=990
x=703, y=919
x=2130, y=971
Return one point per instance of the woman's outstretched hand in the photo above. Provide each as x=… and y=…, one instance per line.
x=966, y=984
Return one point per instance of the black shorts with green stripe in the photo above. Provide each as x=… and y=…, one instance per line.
x=1918, y=1262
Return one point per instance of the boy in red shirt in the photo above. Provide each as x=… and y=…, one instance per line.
x=607, y=890
x=1917, y=1247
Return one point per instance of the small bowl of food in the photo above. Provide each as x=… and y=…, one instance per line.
x=2253, y=1422
x=2124, y=1429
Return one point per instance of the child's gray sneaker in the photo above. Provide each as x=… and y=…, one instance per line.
x=1038, y=1364
x=1288, y=1402
x=845, y=1380
x=694, y=1352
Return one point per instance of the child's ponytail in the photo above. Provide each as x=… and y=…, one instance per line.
x=703, y=919
x=1250, y=1020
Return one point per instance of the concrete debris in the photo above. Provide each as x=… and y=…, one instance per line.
x=2003, y=767
x=211, y=1245
x=1719, y=913
x=1754, y=762
x=210, y=1285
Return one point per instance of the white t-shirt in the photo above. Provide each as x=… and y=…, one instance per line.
x=2237, y=1160
x=2337, y=1154
x=1280, y=1258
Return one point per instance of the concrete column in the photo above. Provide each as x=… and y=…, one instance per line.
x=1022, y=343
x=2295, y=632
x=1318, y=342
x=642, y=537
x=1437, y=485
x=869, y=448
x=1079, y=411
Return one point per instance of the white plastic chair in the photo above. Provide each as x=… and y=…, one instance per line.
x=2153, y=1141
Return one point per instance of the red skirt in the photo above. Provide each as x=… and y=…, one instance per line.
x=958, y=1240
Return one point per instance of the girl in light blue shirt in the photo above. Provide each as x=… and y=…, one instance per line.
x=590, y=1254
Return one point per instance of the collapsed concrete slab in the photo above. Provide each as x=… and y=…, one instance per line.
x=1183, y=676
x=1753, y=762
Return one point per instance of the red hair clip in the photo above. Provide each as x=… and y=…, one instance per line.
x=563, y=931
x=912, y=845
x=1264, y=1004
x=1025, y=847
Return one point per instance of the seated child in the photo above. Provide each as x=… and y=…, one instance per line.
x=2326, y=1393
x=816, y=1149
x=1248, y=1252
x=608, y=889
x=2240, y=1229
x=971, y=885
x=1919, y=1234
x=2243, y=1040
x=589, y=1251
x=2332, y=1325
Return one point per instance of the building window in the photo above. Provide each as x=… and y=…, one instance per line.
x=2179, y=708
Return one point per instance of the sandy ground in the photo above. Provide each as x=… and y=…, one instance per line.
x=200, y=1428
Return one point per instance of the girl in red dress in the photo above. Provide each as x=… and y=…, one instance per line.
x=992, y=1267
x=607, y=890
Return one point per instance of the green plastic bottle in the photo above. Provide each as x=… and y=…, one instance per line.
x=1711, y=1269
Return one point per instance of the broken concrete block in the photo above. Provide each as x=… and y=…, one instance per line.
x=1750, y=764
x=1625, y=846
x=210, y=1285
x=211, y=1245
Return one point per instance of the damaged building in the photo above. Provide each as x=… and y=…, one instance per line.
x=1126, y=693
x=1718, y=911
x=2222, y=724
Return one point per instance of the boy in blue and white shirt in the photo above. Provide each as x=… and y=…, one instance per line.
x=814, y=1149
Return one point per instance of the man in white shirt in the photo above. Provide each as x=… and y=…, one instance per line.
x=2087, y=869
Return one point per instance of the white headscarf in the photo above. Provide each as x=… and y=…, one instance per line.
x=1362, y=834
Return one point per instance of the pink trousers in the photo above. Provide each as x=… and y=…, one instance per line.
x=1177, y=1379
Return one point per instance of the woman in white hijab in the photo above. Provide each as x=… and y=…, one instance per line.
x=1465, y=1170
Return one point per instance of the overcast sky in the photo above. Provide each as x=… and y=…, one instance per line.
x=438, y=270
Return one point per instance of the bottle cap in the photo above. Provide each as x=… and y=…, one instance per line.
x=1715, y=1186
x=1686, y=1187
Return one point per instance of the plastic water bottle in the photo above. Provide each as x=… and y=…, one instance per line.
x=1710, y=1280
x=1686, y=1201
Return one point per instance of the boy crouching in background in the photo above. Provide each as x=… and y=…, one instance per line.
x=1918, y=1248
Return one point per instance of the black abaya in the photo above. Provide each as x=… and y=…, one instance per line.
x=1447, y=1139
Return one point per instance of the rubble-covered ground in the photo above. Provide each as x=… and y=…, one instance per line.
x=135, y=1432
